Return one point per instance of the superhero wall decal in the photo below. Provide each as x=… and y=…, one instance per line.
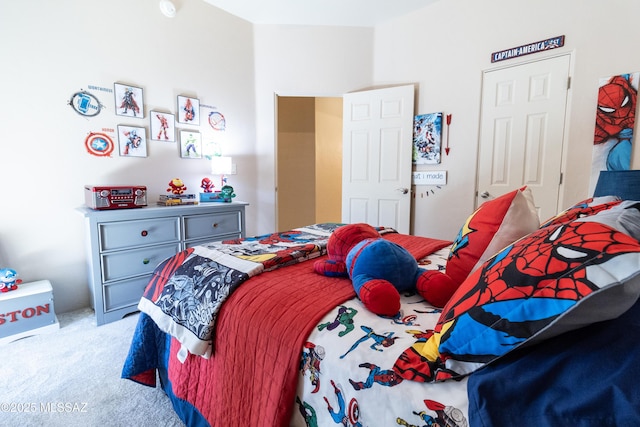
x=615, y=119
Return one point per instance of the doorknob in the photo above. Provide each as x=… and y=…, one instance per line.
x=485, y=195
x=403, y=190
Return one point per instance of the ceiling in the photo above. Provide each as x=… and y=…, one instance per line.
x=357, y=13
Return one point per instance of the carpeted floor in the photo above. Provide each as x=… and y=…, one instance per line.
x=71, y=377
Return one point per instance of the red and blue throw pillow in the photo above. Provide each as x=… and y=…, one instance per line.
x=494, y=225
x=559, y=278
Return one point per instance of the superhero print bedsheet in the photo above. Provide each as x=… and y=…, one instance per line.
x=187, y=290
x=347, y=376
x=264, y=379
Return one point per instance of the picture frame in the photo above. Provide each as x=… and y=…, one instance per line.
x=132, y=141
x=129, y=100
x=188, y=110
x=190, y=144
x=427, y=138
x=162, y=126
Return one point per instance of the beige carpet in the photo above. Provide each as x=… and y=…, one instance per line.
x=71, y=377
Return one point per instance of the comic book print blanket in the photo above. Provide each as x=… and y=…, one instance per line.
x=187, y=290
x=347, y=374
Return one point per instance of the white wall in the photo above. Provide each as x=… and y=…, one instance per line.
x=301, y=61
x=446, y=46
x=51, y=49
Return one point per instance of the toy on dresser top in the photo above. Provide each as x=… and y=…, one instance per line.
x=177, y=195
x=9, y=280
x=224, y=195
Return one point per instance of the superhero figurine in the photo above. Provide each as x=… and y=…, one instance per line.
x=227, y=193
x=207, y=185
x=176, y=186
x=9, y=280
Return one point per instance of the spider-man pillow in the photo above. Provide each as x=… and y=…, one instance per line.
x=590, y=206
x=557, y=279
x=494, y=225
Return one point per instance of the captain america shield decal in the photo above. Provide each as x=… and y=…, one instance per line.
x=99, y=144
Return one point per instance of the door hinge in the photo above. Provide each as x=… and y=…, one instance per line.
x=568, y=82
x=561, y=176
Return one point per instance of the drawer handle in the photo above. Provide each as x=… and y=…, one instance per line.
x=146, y=261
x=144, y=233
x=215, y=225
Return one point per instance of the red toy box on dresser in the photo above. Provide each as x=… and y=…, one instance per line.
x=27, y=311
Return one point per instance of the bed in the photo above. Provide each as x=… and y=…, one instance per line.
x=543, y=329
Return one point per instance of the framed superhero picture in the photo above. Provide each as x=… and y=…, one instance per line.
x=162, y=126
x=132, y=141
x=427, y=138
x=129, y=100
x=190, y=144
x=188, y=110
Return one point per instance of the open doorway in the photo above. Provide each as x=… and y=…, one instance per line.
x=308, y=160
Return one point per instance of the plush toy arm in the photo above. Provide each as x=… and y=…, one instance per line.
x=378, y=296
x=331, y=268
x=435, y=287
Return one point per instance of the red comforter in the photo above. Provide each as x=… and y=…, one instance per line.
x=251, y=378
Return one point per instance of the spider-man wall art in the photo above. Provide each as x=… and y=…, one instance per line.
x=615, y=118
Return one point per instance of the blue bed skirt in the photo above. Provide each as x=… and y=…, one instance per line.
x=589, y=377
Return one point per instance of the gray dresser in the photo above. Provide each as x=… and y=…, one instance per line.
x=125, y=245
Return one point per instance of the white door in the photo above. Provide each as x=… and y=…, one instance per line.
x=376, y=157
x=522, y=131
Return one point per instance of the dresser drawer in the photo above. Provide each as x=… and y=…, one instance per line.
x=135, y=262
x=212, y=225
x=124, y=293
x=126, y=234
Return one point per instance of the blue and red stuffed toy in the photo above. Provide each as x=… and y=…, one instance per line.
x=380, y=270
